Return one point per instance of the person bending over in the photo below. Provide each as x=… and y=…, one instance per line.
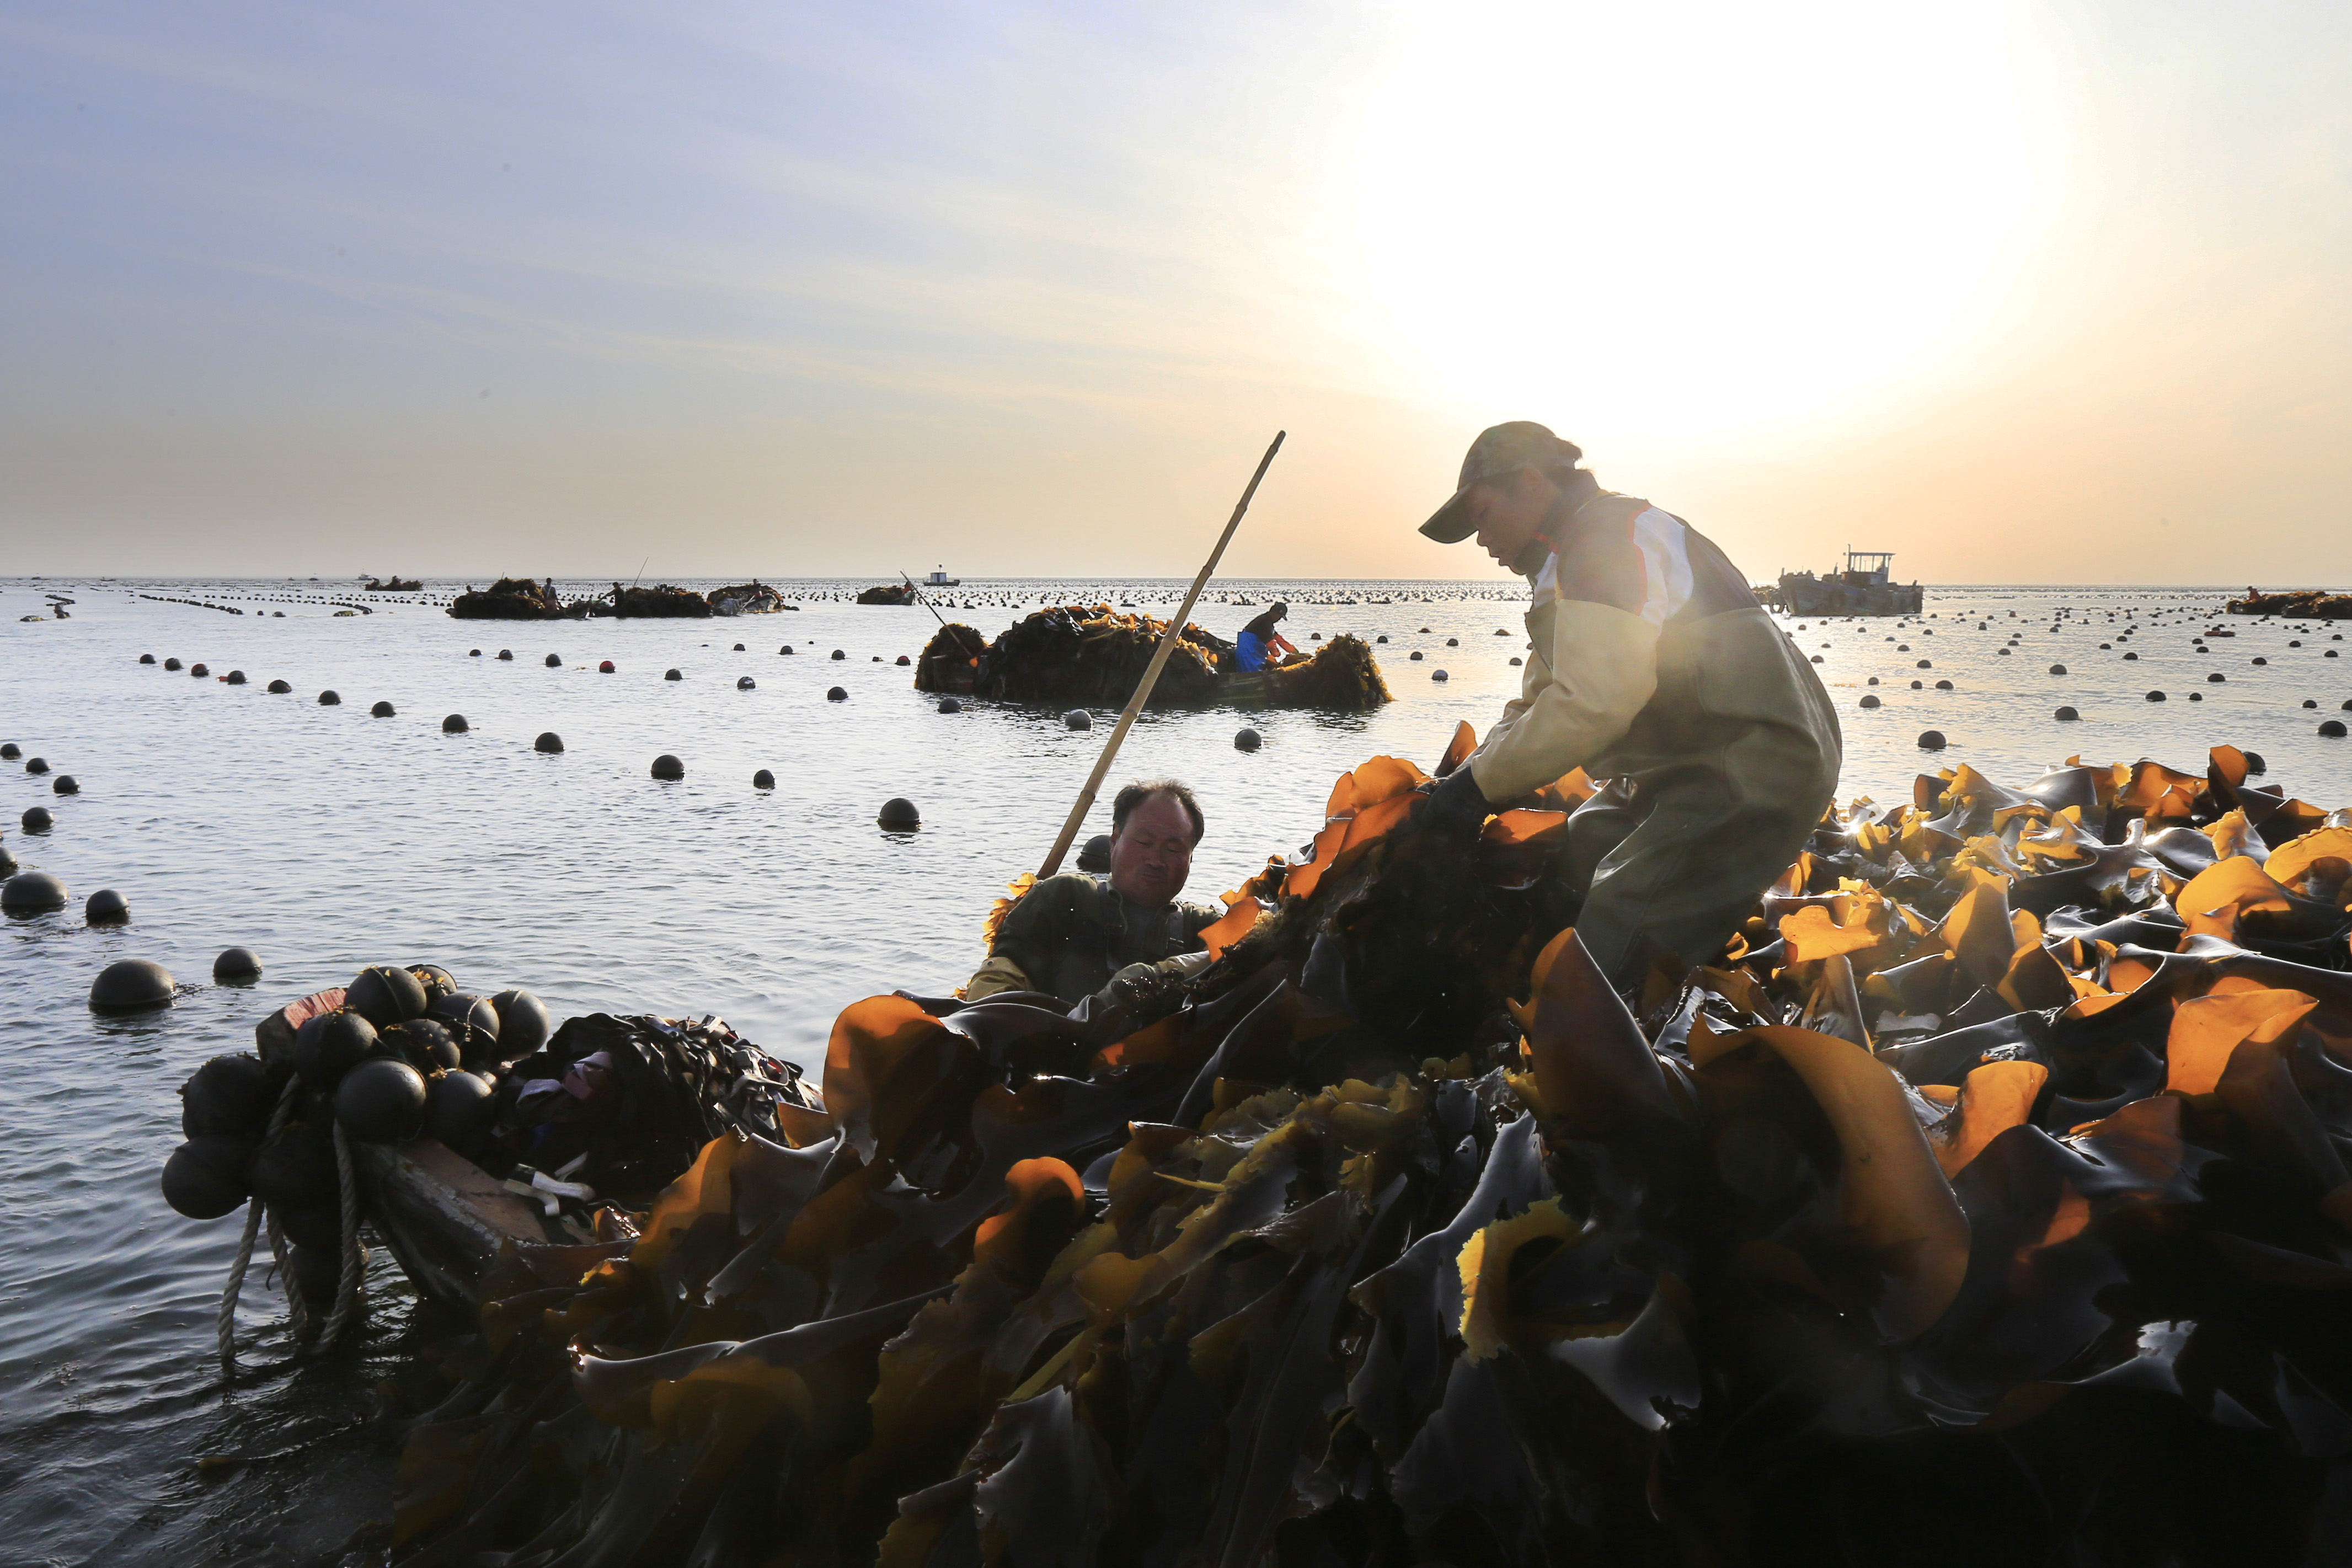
x=1259, y=642
x=1654, y=669
x=1107, y=941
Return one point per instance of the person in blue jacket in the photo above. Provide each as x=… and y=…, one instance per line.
x=1260, y=641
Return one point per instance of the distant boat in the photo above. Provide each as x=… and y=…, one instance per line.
x=1864, y=588
x=939, y=579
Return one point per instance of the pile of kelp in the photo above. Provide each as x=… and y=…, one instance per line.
x=887, y=594
x=509, y=599
x=611, y=1109
x=661, y=601
x=1093, y=656
x=394, y=584
x=2303, y=603
x=1983, y=1202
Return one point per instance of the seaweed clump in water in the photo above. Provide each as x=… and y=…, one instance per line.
x=1080, y=656
x=1983, y=1202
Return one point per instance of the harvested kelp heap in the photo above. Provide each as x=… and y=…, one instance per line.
x=1982, y=1203
x=660, y=600
x=1072, y=655
x=2303, y=603
x=509, y=599
x=887, y=594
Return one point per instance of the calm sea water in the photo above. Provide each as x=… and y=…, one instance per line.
x=326, y=839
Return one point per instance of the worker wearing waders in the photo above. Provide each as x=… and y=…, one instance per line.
x=1654, y=669
x=1110, y=942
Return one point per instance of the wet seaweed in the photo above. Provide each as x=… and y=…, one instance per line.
x=1982, y=1201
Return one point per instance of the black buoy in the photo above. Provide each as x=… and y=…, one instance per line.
x=1931, y=740
x=836, y=695
x=1415, y=657
x=32, y=892
x=2133, y=656
x=171, y=664
x=2331, y=727
x=426, y=1044
x=229, y=1095
x=1096, y=855
x=2216, y=678
x=839, y=655
x=64, y=784
x=7, y=863
x=293, y=1169
x=9, y=751
x=2308, y=703
x=2261, y=661
x=329, y=699
x=105, y=908
x=2065, y=715
x=459, y=1108
x=2255, y=763
x=672, y=675
x=381, y=710
x=950, y=704
x=898, y=815
x=554, y=662
x=279, y=688
x=330, y=1044
x=1869, y=701
x=473, y=652
x=1437, y=675
x=384, y=995
x=1943, y=686
x=130, y=984
x=2156, y=697
x=454, y=724
x=668, y=767
x=1077, y=719
x=508, y=654
x=738, y=647
x=237, y=964
x=381, y=1102
x=205, y=1177
x=548, y=741
x=1248, y=740
x=787, y=648
x=1381, y=638
x=146, y=658
x=763, y=780
x=523, y=1023
x=37, y=765
x=199, y=671
x=2057, y=669
x=745, y=682
x=235, y=677
x=1874, y=680
x=1454, y=642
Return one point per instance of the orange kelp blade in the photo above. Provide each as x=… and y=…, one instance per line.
x=1595, y=1072
x=1458, y=749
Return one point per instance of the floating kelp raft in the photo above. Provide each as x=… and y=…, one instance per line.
x=659, y=601
x=2303, y=603
x=887, y=594
x=1074, y=655
x=394, y=584
x=510, y=599
x=1982, y=1203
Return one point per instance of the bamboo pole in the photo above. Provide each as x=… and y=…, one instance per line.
x=1151, y=673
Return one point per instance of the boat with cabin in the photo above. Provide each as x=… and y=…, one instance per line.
x=1865, y=586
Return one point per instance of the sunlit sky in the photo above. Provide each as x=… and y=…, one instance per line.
x=2049, y=292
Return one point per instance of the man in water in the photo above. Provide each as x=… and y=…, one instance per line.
x=1259, y=639
x=1110, y=938
x=1655, y=669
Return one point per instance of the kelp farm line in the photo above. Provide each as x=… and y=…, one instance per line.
x=1984, y=1202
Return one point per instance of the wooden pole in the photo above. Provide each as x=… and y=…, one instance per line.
x=1151, y=673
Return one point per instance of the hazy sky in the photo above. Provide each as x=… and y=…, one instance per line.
x=2045, y=292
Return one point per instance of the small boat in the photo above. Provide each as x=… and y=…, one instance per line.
x=939, y=579
x=1863, y=587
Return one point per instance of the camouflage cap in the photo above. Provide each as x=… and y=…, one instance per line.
x=1500, y=449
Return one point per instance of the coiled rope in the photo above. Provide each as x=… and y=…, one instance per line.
x=257, y=1214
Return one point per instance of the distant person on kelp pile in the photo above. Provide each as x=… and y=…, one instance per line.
x=1109, y=937
x=1654, y=669
x=1259, y=641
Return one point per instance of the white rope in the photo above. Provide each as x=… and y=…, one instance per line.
x=347, y=1289
x=224, y=1327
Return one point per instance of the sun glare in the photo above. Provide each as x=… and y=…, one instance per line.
x=1659, y=218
